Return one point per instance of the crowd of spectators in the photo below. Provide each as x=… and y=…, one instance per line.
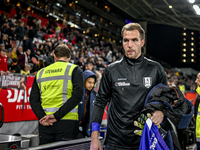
x=27, y=42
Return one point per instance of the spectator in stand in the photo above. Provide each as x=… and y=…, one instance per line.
x=38, y=22
x=5, y=27
x=58, y=29
x=10, y=32
x=40, y=35
x=65, y=31
x=19, y=51
x=13, y=53
x=41, y=49
x=79, y=38
x=3, y=61
x=103, y=55
x=37, y=67
x=26, y=70
x=24, y=59
x=39, y=55
x=120, y=55
x=36, y=44
x=31, y=32
x=26, y=29
x=19, y=34
x=100, y=65
x=175, y=81
x=6, y=42
x=9, y=60
x=90, y=66
x=109, y=57
x=50, y=31
x=80, y=62
x=76, y=57
x=50, y=59
x=28, y=44
x=14, y=67
x=2, y=46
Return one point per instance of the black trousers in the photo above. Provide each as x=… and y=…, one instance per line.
x=62, y=130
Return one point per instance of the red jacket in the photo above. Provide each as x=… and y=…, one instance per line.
x=3, y=63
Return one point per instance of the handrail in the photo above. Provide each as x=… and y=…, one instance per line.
x=63, y=144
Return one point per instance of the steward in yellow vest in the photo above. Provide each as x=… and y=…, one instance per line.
x=197, y=112
x=56, y=92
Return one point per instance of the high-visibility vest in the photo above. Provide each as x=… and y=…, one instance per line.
x=56, y=88
x=198, y=125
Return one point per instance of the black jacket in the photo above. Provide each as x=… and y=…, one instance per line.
x=27, y=44
x=172, y=103
x=125, y=83
x=175, y=107
x=19, y=31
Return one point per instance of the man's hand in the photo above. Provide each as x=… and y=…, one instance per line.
x=48, y=120
x=45, y=123
x=95, y=143
x=157, y=117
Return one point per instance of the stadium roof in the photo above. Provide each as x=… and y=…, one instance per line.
x=181, y=14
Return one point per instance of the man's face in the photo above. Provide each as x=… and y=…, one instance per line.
x=9, y=54
x=20, y=49
x=100, y=61
x=28, y=52
x=89, y=83
x=3, y=54
x=26, y=68
x=90, y=66
x=14, y=63
x=22, y=24
x=2, y=47
x=132, y=44
x=4, y=37
x=197, y=81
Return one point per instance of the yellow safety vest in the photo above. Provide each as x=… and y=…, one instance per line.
x=198, y=125
x=56, y=88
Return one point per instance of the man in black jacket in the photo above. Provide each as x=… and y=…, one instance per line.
x=125, y=85
x=28, y=44
x=19, y=34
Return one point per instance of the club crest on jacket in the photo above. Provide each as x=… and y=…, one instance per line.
x=147, y=81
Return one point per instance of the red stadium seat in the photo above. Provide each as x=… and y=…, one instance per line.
x=191, y=97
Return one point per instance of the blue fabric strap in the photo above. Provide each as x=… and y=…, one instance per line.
x=95, y=126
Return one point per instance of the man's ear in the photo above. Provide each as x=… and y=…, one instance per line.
x=55, y=58
x=143, y=42
x=69, y=59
